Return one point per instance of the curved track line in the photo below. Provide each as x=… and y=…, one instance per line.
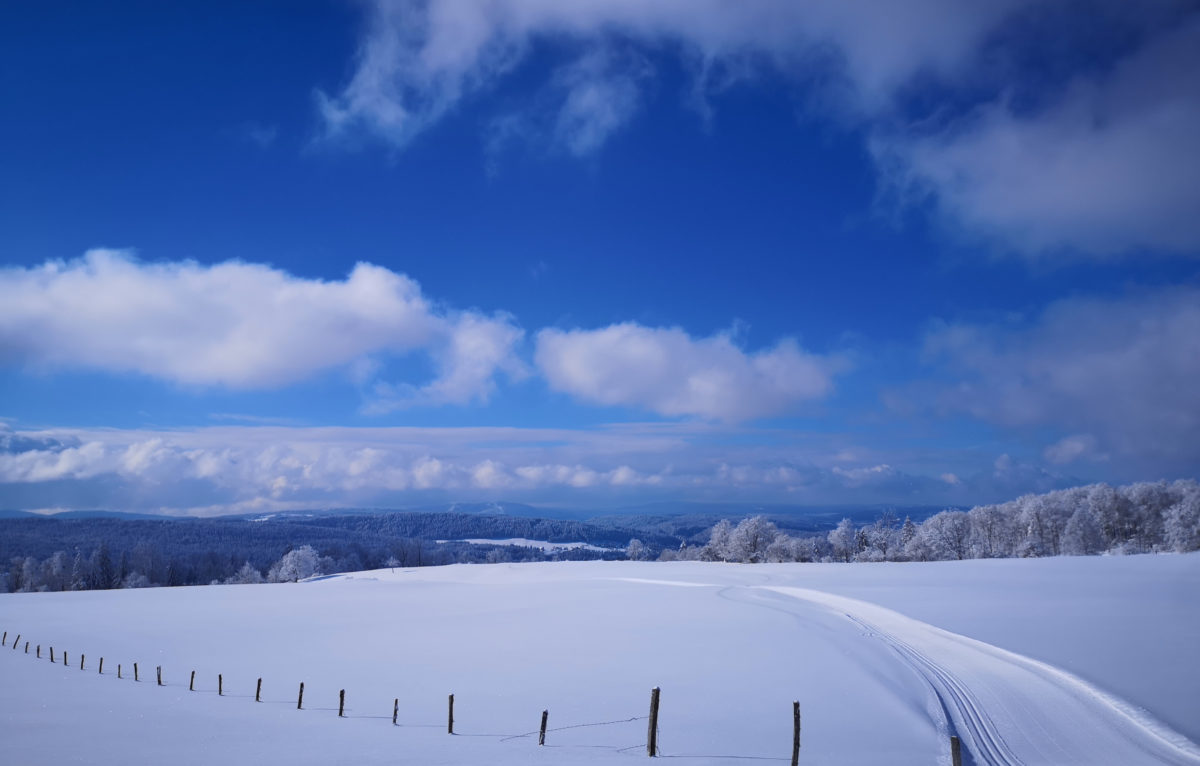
x=1009, y=709
x=958, y=702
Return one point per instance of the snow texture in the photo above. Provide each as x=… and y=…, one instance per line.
x=1049, y=661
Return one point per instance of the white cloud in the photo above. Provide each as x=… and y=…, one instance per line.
x=1118, y=373
x=667, y=371
x=1072, y=448
x=1105, y=165
x=241, y=325
x=865, y=474
x=600, y=96
x=1111, y=166
x=419, y=59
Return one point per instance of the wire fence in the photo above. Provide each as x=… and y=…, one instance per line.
x=652, y=744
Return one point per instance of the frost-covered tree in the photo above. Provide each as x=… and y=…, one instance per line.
x=907, y=532
x=1043, y=519
x=103, y=574
x=946, y=535
x=56, y=572
x=992, y=533
x=247, y=575
x=136, y=580
x=636, y=550
x=844, y=540
x=718, y=542
x=881, y=540
x=751, y=538
x=784, y=549
x=1182, y=522
x=31, y=581
x=1082, y=536
x=1112, y=511
x=79, y=573
x=295, y=565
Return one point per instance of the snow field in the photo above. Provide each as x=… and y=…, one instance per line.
x=731, y=646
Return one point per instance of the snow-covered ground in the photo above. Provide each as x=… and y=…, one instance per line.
x=1051, y=661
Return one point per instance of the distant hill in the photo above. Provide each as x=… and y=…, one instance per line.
x=10, y=514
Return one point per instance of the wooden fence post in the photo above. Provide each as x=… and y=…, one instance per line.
x=796, y=733
x=258, y=691
x=101, y=666
x=135, y=672
x=159, y=671
x=82, y=657
x=341, y=702
x=27, y=647
x=450, y=719
x=192, y=682
x=4, y=642
x=395, y=710
x=300, y=699
x=16, y=641
x=542, y=731
x=652, y=732
x=52, y=654
x=118, y=670
x=220, y=685
x=39, y=651
x=955, y=751
x=64, y=659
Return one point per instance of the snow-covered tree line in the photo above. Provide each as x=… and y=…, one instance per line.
x=1138, y=518
x=99, y=571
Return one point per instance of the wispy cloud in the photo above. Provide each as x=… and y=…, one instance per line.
x=241, y=325
x=1112, y=165
x=1096, y=157
x=1116, y=374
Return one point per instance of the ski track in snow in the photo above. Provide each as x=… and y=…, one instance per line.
x=1010, y=710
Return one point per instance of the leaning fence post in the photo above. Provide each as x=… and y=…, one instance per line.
x=101, y=666
x=652, y=732
x=300, y=699
x=542, y=731
x=450, y=719
x=192, y=682
x=341, y=702
x=159, y=670
x=955, y=751
x=82, y=657
x=395, y=710
x=258, y=691
x=16, y=641
x=5, y=641
x=27, y=647
x=796, y=733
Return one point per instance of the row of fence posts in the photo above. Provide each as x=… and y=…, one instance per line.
x=651, y=733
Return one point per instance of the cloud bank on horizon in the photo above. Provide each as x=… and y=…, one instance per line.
x=1025, y=228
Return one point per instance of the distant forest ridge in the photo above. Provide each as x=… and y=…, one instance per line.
x=107, y=550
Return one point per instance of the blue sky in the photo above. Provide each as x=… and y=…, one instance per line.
x=289, y=255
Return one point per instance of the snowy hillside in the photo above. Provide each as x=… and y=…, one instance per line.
x=1051, y=661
